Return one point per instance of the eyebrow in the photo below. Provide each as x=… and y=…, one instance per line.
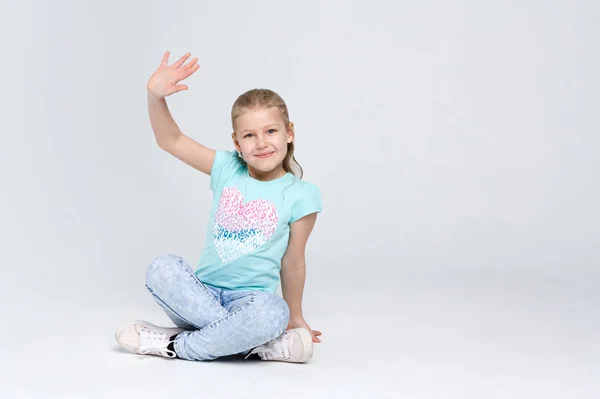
x=271, y=124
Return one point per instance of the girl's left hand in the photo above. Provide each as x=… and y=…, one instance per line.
x=300, y=322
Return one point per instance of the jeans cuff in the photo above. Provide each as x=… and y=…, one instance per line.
x=179, y=350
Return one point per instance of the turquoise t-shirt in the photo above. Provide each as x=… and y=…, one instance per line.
x=249, y=225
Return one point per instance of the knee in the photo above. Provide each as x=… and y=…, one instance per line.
x=160, y=268
x=274, y=313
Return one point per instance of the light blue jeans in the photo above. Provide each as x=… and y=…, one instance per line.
x=220, y=322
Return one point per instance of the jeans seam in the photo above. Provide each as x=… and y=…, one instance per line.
x=170, y=308
x=231, y=314
x=197, y=282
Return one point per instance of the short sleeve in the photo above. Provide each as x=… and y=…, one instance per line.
x=224, y=166
x=308, y=201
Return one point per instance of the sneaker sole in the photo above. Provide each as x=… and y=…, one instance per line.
x=307, y=344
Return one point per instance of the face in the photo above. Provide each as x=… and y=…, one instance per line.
x=262, y=137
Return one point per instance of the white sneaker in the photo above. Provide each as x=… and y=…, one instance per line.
x=293, y=346
x=145, y=338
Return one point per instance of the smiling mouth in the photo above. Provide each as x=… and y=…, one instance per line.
x=268, y=154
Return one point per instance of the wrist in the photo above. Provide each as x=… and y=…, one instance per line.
x=296, y=317
x=153, y=97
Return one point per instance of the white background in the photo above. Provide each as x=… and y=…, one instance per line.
x=455, y=145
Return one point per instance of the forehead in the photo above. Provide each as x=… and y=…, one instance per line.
x=257, y=118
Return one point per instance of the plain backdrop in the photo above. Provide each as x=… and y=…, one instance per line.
x=455, y=145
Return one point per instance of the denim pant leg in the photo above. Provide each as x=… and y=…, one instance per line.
x=188, y=303
x=253, y=318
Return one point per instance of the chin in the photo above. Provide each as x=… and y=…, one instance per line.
x=272, y=160
x=264, y=169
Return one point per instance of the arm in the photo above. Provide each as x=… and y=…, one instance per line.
x=168, y=136
x=293, y=271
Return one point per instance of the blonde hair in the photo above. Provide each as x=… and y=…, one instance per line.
x=267, y=98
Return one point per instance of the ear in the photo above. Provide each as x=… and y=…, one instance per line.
x=291, y=132
x=235, y=143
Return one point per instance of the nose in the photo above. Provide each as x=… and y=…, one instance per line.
x=261, y=140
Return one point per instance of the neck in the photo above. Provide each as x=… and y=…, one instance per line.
x=266, y=176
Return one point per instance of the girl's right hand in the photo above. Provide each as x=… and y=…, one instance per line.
x=165, y=81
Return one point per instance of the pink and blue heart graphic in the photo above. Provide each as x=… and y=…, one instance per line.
x=242, y=228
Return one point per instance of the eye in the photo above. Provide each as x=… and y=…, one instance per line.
x=271, y=130
x=248, y=135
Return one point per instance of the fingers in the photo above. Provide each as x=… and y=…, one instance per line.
x=315, y=335
x=181, y=60
x=179, y=63
x=188, y=72
x=165, y=59
x=191, y=63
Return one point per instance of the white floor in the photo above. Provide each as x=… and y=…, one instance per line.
x=421, y=337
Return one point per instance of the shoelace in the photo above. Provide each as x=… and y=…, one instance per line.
x=155, y=343
x=277, y=349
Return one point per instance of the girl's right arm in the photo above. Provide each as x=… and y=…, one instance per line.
x=163, y=83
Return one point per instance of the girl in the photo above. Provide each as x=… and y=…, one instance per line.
x=261, y=218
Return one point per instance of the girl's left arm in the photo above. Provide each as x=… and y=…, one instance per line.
x=293, y=271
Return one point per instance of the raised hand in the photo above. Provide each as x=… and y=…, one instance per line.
x=165, y=81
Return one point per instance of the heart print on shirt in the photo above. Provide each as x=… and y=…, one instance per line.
x=242, y=228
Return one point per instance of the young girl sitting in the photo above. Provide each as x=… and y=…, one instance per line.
x=261, y=218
